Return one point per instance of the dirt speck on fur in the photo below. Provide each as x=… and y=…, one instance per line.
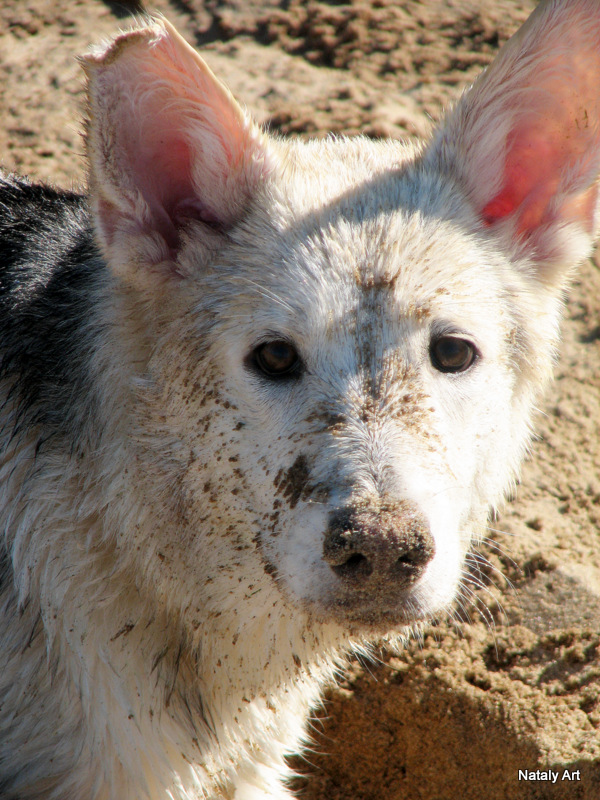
x=515, y=683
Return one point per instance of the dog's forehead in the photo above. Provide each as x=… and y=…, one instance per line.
x=374, y=218
x=365, y=259
x=336, y=244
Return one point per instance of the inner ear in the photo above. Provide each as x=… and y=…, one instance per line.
x=168, y=145
x=524, y=142
x=163, y=166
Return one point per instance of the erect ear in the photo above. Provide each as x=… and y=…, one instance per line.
x=173, y=158
x=524, y=141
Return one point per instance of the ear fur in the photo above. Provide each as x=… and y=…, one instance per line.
x=169, y=151
x=524, y=142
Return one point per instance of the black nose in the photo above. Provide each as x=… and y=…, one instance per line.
x=375, y=543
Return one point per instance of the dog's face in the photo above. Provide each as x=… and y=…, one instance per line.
x=367, y=362
x=352, y=404
x=349, y=336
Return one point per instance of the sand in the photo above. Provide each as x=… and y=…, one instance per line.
x=472, y=710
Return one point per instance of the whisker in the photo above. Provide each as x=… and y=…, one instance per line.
x=477, y=560
x=263, y=291
x=481, y=608
x=497, y=530
x=486, y=590
x=493, y=545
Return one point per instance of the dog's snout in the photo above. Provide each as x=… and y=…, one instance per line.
x=369, y=545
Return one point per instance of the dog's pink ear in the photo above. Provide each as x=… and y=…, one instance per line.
x=170, y=152
x=524, y=141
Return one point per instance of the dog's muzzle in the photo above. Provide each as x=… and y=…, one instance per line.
x=378, y=547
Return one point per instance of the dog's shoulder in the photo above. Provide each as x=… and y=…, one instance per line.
x=49, y=266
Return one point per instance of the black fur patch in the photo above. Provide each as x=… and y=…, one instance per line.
x=5, y=571
x=49, y=266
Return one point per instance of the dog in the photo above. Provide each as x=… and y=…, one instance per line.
x=259, y=397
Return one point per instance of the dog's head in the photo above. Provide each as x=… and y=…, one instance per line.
x=344, y=339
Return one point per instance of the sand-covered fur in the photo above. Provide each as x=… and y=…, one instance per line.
x=260, y=396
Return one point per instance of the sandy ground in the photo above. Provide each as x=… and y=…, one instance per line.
x=518, y=686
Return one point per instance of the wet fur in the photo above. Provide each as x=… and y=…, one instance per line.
x=168, y=613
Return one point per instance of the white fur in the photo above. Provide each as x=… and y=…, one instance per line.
x=177, y=618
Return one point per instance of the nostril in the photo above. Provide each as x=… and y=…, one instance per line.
x=414, y=557
x=355, y=561
x=357, y=566
x=409, y=566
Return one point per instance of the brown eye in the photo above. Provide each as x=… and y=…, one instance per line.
x=451, y=354
x=277, y=359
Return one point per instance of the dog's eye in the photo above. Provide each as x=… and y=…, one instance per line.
x=277, y=359
x=451, y=354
